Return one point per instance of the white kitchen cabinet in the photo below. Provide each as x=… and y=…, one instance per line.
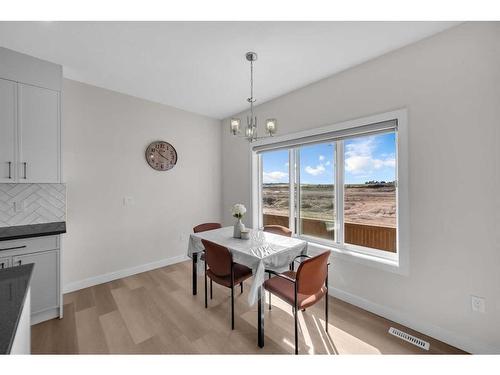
x=38, y=134
x=44, y=281
x=30, y=135
x=8, y=123
x=44, y=252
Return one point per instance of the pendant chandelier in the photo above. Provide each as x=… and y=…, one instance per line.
x=251, y=128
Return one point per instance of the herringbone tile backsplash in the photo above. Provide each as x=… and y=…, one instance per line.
x=22, y=204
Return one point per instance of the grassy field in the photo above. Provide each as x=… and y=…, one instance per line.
x=364, y=204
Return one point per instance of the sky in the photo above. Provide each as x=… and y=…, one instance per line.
x=366, y=158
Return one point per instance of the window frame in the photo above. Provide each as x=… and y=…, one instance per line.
x=399, y=262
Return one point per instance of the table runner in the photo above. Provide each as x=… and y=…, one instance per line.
x=262, y=251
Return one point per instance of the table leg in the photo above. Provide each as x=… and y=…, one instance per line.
x=195, y=273
x=260, y=317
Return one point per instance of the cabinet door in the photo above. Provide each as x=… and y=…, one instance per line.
x=4, y=262
x=7, y=131
x=44, y=281
x=39, y=136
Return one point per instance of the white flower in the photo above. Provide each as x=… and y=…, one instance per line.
x=238, y=210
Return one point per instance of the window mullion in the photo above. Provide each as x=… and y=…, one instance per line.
x=298, y=221
x=339, y=191
x=259, y=192
x=291, y=190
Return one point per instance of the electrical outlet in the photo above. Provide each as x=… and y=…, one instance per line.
x=128, y=201
x=18, y=206
x=478, y=304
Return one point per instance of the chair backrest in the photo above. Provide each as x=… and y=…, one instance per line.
x=278, y=229
x=206, y=226
x=218, y=258
x=311, y=274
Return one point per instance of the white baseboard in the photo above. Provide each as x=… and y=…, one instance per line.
x=44, y=315
x=91, y=281
x=400, y=317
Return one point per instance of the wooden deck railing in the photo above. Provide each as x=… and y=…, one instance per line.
x=375, y=237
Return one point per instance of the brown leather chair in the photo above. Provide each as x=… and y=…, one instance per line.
x=206, y=226
x=220, y=268
x=303, y=288
x=282, y=231
x=278, y=229
x=202, y=228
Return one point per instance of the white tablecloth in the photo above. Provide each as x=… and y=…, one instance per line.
x=262, y=251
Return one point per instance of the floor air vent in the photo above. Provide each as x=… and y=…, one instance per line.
x=409, y=338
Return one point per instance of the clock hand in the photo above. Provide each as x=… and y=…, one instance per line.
x=159, y=153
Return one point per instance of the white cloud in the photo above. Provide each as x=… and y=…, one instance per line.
x=320, y=169
x=327, y=163
x=321, y=158
x=360, y=160
x=273, y=177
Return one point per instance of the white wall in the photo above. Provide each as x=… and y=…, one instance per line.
x=450, y=84
x=105, y=135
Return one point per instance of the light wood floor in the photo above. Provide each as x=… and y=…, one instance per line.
x=154, y=312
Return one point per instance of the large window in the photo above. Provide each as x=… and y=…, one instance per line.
x=337, y=188
x=316, y=190
x=275, y=187
x=370, y=191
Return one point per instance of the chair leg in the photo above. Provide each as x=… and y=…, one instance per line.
x=295, y=312
x=326, y=301
x=232, y=307
x=241, y=286
x=269, y=276
x=326, y=312
x=211, y=291
x=206, y=301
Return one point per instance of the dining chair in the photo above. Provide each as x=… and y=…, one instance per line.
x=221, y=269
x=278, y=229
x=303, y=288
x=206, y=226
x=282, y=231
x=203, y=228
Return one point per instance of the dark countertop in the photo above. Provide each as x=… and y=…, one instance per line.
x=33, y=230
x=14, y=283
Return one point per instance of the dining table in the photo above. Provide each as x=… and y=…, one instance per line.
x=260, y=252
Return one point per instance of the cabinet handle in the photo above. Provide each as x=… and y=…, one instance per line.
x=24, y=166
x=13, y=248
x=10, y=169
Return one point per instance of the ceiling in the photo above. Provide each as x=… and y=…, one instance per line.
x=200, y=66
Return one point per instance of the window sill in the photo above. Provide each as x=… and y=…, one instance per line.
x=384, y=264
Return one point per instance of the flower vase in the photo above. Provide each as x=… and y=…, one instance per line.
x=238, y=227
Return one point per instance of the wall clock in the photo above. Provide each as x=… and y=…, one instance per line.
x=161, y=156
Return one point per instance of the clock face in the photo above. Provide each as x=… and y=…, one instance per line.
x=161, y=156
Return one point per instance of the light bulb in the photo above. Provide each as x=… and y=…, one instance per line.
x=249, y=132
x=235, y=125
x=271, y=126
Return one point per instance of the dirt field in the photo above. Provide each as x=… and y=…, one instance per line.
x=364, y=204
